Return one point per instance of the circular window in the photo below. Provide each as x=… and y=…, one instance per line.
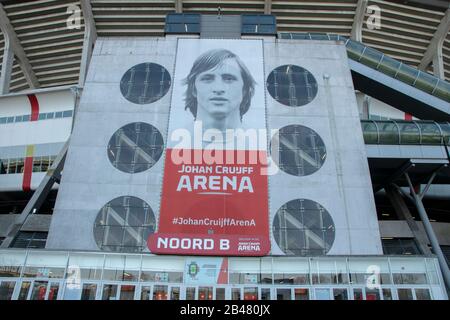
x=123, y=225
x=292, y=85
x=145, y=83
x=135, y=147
x=303, y=227
x=298, y=150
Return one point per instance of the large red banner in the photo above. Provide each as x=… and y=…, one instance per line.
x=214, y=209
x=215, y=189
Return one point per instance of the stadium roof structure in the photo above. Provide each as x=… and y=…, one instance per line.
x=47, y=53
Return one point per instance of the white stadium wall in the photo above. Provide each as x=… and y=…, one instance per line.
x=322, y=188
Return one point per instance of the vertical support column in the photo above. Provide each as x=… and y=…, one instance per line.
x=7, y=65
x=403, y=213
x=179, y=6
x=428, y=228
x=268, y=7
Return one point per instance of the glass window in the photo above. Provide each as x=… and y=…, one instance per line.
x=127, y=292
x=340, y=294
x=109, y=292
x=58, y=114
x=400, y=246
x=89, y=291
x=6, y=290
x=190, y=293
x=145, y=83
x=251, y=293
x=409, y=133
x=27, y=239
x=124, y=225
x=283, y=294
x=389, y=66
x=37, y=164
x=370, y=132
x=39, y=290
x=220, y=293
x=3, y=120
x=18, y=119
x=426, y=82
x=372, y=294
x=430, y=133
x=175, y=293
x=42, y=116
x=67, y=113
x=443, y=90
x=292, y=85
x=24, y=289
x=26, y=117
x=422, y=294
x=265, y=294
x=160, y=292
x=50, y=115
x=10, y=120
x=135, y=147
x=387, y=294
x=301, y=294
x=371, y=57
x=235, y=294
x=145, y=293
x=53, y=292
x=205, y=293
x=303, y=227
x=389, y=133
x=298, y=150
x=407, y=74
x=358, y=294
x=322, y=294
x=405, y=294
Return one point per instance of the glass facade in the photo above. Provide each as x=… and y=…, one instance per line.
x=63, y=275
x=395, y=132
x=298, y=150
x=385, y=64
x=135, y=147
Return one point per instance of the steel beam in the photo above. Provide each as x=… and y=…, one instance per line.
x=428, y=228
x=17, y=48
x=434, y=50
x=358, y=20
x=403, y=213
x=90, y=35
x=7, y=65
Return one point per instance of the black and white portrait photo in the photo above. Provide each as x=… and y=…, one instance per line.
x=219, y=86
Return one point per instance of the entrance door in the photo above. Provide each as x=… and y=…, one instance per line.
x=40, y=290
x=205, y=293
x=283, y=293
x=250, y=293
x=7, y=289
x=265, y=293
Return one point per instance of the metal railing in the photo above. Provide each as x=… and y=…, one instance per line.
x=379, y=61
